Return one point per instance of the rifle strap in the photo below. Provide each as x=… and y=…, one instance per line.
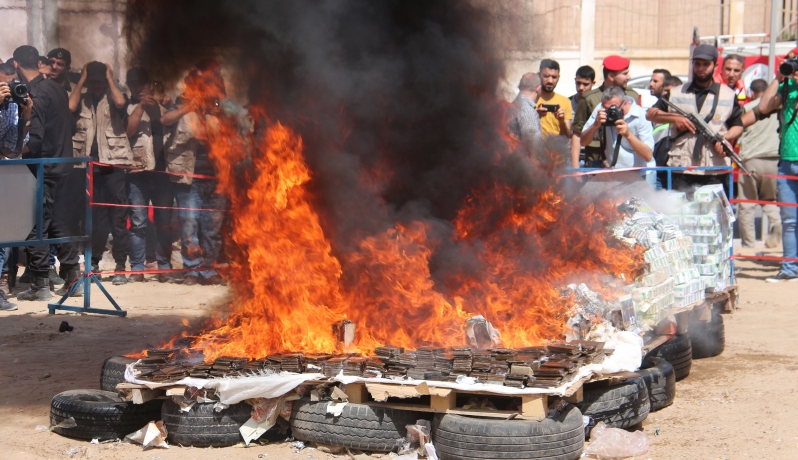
x=700, y=141
x=616, y=150
x=784, y=102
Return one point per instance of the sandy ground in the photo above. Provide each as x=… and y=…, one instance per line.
x=736, y=406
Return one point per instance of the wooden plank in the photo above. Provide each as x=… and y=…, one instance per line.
x=502, y=414
x=577, y=387
x=356, y=392
x=129, y=386
x=175, y=391
x=382, y=391
x=140, y=395
x=655, y=342
x=535, y=407
x=577, y=396
x=443, y=403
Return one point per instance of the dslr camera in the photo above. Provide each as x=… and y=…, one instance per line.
x=19, y=93
x=788, y=67
x=614, y=113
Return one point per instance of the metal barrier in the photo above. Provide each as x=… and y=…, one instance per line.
x=88, y=276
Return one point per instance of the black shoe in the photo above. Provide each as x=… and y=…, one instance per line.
x=25, y=278
x=164, y=277
x=95, y=269
x=190, y=280
x=213, y=280
x=118, y=280
x=5, y=305
x=72, y=276
x=39, y=290
x=782, y=277
x=55, y=280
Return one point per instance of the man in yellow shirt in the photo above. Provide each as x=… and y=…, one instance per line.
x=554, y=109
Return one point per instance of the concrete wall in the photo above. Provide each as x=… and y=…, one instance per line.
x=89, y=29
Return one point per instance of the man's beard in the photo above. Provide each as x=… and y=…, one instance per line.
x=548, y=89
x=705, y=79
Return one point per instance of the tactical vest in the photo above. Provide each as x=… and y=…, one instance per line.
x=683, y=151
x=141, y=142
x=181, y=152
x=113, y=144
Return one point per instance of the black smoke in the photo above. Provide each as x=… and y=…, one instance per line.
x=401, y=92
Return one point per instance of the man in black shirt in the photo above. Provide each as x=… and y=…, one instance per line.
x=723, y=114
x=51, y=129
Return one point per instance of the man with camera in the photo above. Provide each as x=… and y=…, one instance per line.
x=51, y=129
x=102, y=136
x=782, y=95
x=616, y=74
x=717, y=105
x=630, y=140
x=554, y=109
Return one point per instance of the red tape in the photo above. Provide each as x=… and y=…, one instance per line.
x=774, y=176
x=763, y=202
x=774, y=258
x=156, y=207
x=157, y=271
x=195, y=176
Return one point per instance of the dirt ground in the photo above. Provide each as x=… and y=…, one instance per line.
x=735, y=406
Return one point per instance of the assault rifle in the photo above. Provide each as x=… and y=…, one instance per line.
x=703, y=129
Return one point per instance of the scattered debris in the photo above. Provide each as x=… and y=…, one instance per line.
x=152, y=435
x=66, y=423
x=65, y=327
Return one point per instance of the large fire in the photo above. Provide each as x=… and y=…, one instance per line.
x=290, y=286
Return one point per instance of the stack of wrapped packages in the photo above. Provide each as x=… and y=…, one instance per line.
x=670, y=279
x=707, y=220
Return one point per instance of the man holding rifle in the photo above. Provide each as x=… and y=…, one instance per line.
x=782, y=95
x=716, y=105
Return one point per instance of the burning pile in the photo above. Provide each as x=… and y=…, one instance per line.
x=396, y=201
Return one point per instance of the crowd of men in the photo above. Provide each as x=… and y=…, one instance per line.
x=607, y=128
x=148, y=153
x=150, y=158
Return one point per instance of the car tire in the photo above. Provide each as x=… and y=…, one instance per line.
x=660, y=379
x=359, y=426
x=618, y=406
x=561, y=437
x=100, y=414
x=113, y=372
x=679, y=352
x=708, y=338
x=202, y=426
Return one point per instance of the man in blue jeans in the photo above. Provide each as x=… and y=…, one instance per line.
x=782, y=94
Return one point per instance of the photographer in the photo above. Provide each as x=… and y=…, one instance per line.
x=51, y=129
x=13, y=134
x=782, y=95
x=630, y=140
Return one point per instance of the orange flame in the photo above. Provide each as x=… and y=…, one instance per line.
x=289, y=288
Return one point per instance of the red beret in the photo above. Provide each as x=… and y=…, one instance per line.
x=615, y=63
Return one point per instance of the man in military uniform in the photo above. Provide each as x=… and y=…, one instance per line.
x=616, y=73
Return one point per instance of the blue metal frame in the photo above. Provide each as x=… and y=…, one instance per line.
x=670, y=169
x=88, y=276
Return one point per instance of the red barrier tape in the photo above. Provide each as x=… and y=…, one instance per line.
x=155, y=207
x=774, y=176
x=775, y=203
x=195, y=176
x=774, y=258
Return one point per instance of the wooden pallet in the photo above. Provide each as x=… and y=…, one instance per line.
x=441, y=400
x=444, y=400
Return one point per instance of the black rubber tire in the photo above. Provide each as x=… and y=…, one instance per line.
x=101, y=414
x=556, y=438
x=660, y=380
x=113, y=372
x=679, y=352
x=708, y=338
x=618, y=406
x=359, y=426
x=201, y=426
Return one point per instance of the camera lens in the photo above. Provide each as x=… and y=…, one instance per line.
x=20, y=91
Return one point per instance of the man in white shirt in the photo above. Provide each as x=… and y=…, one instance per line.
x=631, y=135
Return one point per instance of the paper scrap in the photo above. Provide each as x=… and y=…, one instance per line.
x=152, y=435
x=339, y=395
x=336, y=408
x=252, y=430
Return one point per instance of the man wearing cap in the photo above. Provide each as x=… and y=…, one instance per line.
x=60, y=60
x=717, y=105
x=146, y=134
x=102, y=135
x=616, y=73
x=50, y=130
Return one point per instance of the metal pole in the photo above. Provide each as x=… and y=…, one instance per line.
x=87, y=244
x=774, y=30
